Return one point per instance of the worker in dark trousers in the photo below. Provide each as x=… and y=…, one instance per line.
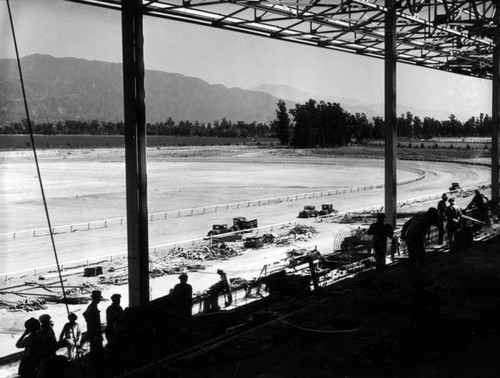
x=380, y=232
x=113, y=312
x=92, y=317
x=441, y=208
x=414, y=232
x=183, y=294
x=36, y=348
x=453, y=223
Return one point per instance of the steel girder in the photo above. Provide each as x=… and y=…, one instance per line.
x=450, y=35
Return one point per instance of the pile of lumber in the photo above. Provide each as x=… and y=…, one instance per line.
x=80, y=293
x=302, y=230
x=27, y=305
x=216, y=251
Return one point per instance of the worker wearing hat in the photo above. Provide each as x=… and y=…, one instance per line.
x=36, y=347
x=92, y=317
x=113, y=313
x=413, y=233
x=380, y=231
x=441, y=208
x=183, y=296
x=47, y=327
x=453, y=223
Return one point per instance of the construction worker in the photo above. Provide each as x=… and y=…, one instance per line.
x=380, y=232
x=211, y=303
x=36, y=348
x=46, y=326
x=453, y=223
x=71, y=336
x=441, y=208
x=113, y=312
x=478, y=208
x=92, y=316
x=414, y=232
x=183, y=295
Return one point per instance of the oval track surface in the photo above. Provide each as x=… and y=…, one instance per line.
x=92, y=188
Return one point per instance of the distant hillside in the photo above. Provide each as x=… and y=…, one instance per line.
x=70, y=88
x=353, y=106
x=296, y=96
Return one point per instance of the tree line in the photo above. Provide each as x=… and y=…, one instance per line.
x=320, y=124
x=223, y=128
x=311, y=124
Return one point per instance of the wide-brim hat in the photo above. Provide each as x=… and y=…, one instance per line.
x=451, y=200
x=116, y=296
x=96, y=294
x=444, y=195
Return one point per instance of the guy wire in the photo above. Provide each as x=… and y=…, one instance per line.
x=36, y=158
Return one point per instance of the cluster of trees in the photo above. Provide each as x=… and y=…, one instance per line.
x=412, y=126
x=224, y=128
x=328, y=125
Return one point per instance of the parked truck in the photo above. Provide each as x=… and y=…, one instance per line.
x=241, y=223
x=220, y=233
x=253, y=242
x=218, y=229
x=308, y=212
x=327, y=208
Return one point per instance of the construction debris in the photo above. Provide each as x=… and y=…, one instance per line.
x=27, y=305
x=83, y=290
x=268, y=238
x=302, y=230
x=215, y=251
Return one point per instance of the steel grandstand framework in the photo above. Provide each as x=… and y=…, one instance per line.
x=451, y=35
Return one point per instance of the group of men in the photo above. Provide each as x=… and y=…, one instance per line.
x=447, y=217
x=114, y=314
x=40, y=343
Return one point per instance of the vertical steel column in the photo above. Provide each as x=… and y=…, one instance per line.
x=495, y=118
x=390, y=112
x=135, y=152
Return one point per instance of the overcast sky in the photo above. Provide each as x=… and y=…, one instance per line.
x=64, y=29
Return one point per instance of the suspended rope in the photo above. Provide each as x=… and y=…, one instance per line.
x=36, y=158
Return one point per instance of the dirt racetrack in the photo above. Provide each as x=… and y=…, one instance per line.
x=89, y=185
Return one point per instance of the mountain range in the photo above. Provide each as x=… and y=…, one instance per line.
x=78, y=89
x=70, y=88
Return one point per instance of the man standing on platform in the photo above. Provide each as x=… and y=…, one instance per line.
x=380, y=232
x=113, y=313
x=441, y=208
x=453, y=223
x=92, y=316
x=183, y=294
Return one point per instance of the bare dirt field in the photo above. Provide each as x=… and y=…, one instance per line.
x=89, y=185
